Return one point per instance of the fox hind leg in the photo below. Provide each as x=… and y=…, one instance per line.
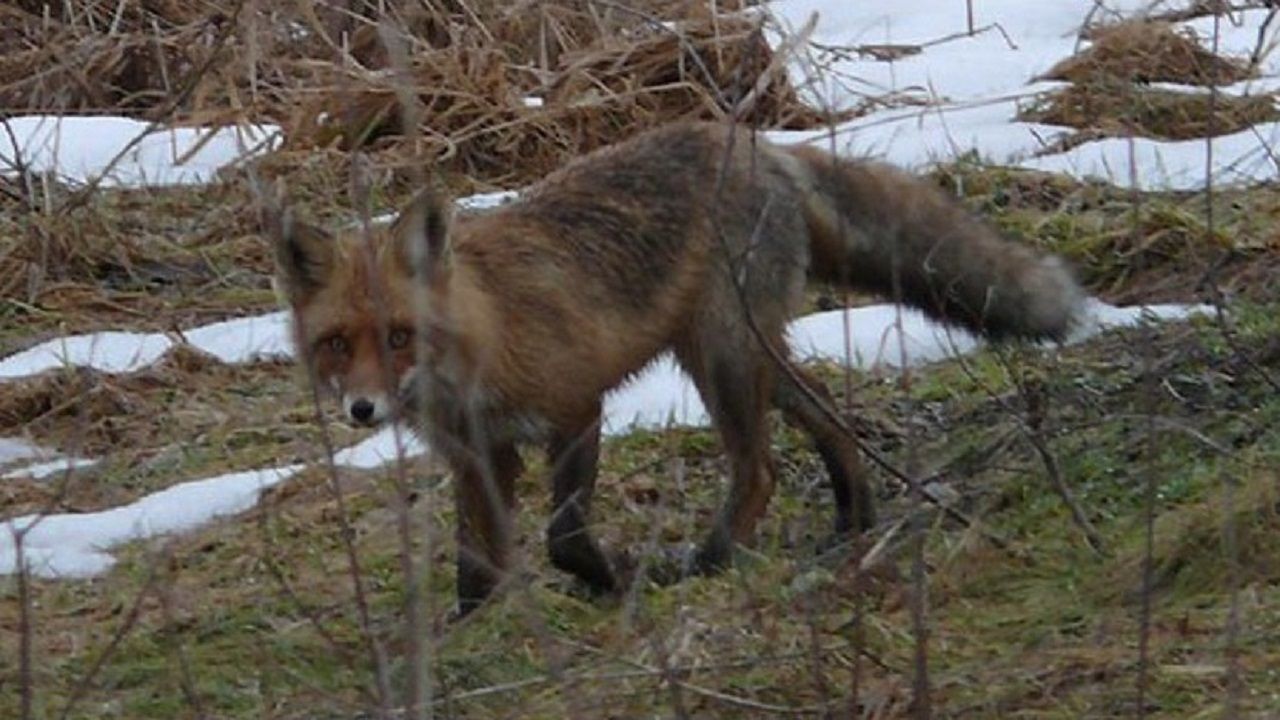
x=735, y=382
x=574, y=457
x=801, y=396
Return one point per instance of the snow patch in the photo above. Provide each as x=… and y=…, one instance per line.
x=380, y=449
x=257, y=337
x=971, y=88
x=660, y=396
x=109, y=351
x=75, y=545
x=487, y=201
x=42, y=470
x=13, y=450
x=124, y=152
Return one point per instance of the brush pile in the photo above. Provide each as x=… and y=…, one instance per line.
x=498, y=91
x=1113, y=91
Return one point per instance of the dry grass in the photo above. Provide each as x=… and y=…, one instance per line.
x=151, y=259
x=599, y=69
x=1145, y=51
x=1127, y=249
x=1110, y=94
x=489, y=112
x=187, y=411
x=1109, y=108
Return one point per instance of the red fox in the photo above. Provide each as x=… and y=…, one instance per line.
x=505, y=327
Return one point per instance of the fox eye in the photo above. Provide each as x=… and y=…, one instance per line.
x=398, y=339
x=335, y=344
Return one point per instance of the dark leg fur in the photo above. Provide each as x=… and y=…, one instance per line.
x=736, y=391
x=853, y=499
x=484, y=492
x=573, y=477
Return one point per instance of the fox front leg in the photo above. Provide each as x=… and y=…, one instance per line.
x=574, y=455
x=484, y=492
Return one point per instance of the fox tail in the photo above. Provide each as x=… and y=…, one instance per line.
x=875, y=228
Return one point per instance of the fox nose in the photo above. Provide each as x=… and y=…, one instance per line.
x=361, y=411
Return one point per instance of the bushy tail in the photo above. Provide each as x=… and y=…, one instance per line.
x=876, y=228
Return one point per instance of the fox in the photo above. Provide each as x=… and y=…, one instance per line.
x=491, y=331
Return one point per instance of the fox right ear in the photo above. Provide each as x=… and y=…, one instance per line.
x=304, y=253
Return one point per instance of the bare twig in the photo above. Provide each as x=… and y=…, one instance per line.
x=18, y=166
x=1032, y=430
x=672, y=675
x=377, y=654
x=1261, y=48
x=1229, y=541
x=657, y=24
x=780, y=57
x=82, y=687
x=1149, y=476
x=26, y=630
x=313, y=616
x=416, y=705
x=173, y=638
x=921, y=699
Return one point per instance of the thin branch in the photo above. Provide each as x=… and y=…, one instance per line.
x=1234, y=683
x=1149, y=476
x=130, y=621
x=1032, y=430
x=347, y=533
x=657, y=24
x=26, y=631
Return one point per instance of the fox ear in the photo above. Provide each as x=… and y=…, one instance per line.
x=423, y=232
x=304, y=253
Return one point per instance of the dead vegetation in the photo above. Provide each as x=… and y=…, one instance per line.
x=1111, y=92
x=502, y=93
x=1105, y=107
x=257, y=616
x=1147, y=51
x=1130, y=248
x=187, y=410
x=485, y=118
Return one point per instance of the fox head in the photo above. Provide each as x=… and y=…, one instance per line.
x=370, y=305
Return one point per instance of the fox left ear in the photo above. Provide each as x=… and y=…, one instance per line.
x=422, y=232
x=304, y=253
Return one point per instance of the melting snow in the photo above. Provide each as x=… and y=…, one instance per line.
x=76, y=544
x=380, y=448
x=42, y=470
x=972, y=87
x=109, y=351
x=127, y=152
x=14, y=450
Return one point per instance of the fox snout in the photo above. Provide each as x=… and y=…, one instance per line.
x=369, y=404
x=366, y=410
